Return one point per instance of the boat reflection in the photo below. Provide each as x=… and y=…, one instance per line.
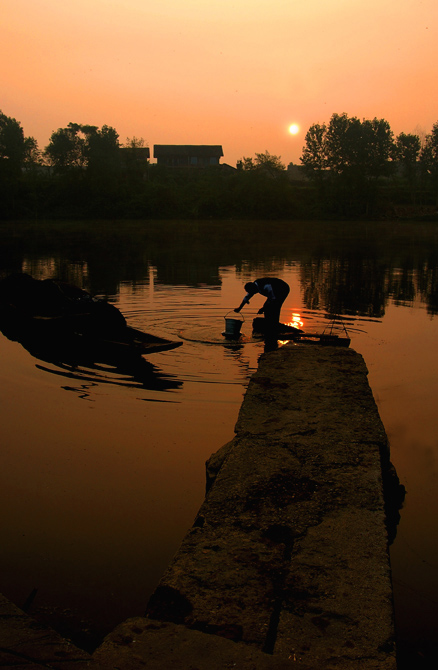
x=130, y=369
x=79, y=335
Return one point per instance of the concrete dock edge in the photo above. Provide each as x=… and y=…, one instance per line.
x=287, y=563
x=289, y=552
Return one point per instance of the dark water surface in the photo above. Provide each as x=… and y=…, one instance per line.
x=103, y=470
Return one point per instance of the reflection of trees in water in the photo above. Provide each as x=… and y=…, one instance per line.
x=345, y=286
x=348, y=267
x=402, y=284
x=363, y=285
x=427, y=278
x=416, y=279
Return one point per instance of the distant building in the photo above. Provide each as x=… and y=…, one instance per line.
x=187, y=156
x=137, y=155
x=296, y=172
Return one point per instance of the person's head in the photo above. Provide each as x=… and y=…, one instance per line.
x=251, y=288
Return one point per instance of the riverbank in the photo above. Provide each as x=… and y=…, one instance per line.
x=287, y=561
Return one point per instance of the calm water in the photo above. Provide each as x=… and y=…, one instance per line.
x=103, y=471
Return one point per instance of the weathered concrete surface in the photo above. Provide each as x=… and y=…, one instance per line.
x=289, y=551
x=153, y=645
x=286, y=565
x=26, y=644
x=137, y=643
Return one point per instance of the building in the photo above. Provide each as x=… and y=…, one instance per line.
x=134, y=155
x=297, y=172
x=187, y=156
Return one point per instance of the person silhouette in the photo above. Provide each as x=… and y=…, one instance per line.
x=275, y=291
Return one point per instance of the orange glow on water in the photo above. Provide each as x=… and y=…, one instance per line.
x=295, y=321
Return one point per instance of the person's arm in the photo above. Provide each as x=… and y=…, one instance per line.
x=243, y=303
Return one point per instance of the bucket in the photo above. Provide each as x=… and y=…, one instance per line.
x=232, y=325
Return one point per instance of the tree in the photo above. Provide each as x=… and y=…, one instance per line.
x=12, y=146
x=87, y=161
x=376, y=147
x=314, y=157
x=32, y=153
x=407, y=148
x=102, y=149
x=67, y=148
x=340, y=133
x=263, y=162
x=429, y=159
x=16, y=152
x=360, y=148
x=350, y=154
x=348, y=145
x=406, y=152
x=246, y=163
x=134, y=142
x=78, y=147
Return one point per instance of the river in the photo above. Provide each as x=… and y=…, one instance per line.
x=103, y=472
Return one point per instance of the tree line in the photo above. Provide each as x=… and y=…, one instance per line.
x=351, y=162
x=350, y=168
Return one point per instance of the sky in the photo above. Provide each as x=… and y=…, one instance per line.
x=237, y=73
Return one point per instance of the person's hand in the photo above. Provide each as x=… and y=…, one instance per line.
x=237, y=309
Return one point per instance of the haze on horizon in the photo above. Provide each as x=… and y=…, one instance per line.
x=233, y=72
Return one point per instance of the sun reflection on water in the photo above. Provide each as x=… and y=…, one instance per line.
x=295, y=321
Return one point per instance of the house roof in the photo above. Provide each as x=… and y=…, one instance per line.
x=204, y=150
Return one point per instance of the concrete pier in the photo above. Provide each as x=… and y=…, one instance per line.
x=286, y=565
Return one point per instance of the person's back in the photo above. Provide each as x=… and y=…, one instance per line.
x=268, y=285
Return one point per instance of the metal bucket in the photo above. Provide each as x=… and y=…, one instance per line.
x=232, y=325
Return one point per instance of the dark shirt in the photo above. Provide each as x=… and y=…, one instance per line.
x=271, y=287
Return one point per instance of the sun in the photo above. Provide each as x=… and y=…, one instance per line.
x=294, y=129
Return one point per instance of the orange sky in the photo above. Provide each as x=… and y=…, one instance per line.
x=230, y=72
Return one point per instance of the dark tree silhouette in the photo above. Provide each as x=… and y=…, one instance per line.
x=407, y=152
x=429, y=159
x=12, y=146
x=351, y=155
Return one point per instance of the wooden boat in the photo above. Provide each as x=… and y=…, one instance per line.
x=135, y=341
x=67, y=321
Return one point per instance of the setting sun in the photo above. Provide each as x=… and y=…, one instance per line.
x=202, y=48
